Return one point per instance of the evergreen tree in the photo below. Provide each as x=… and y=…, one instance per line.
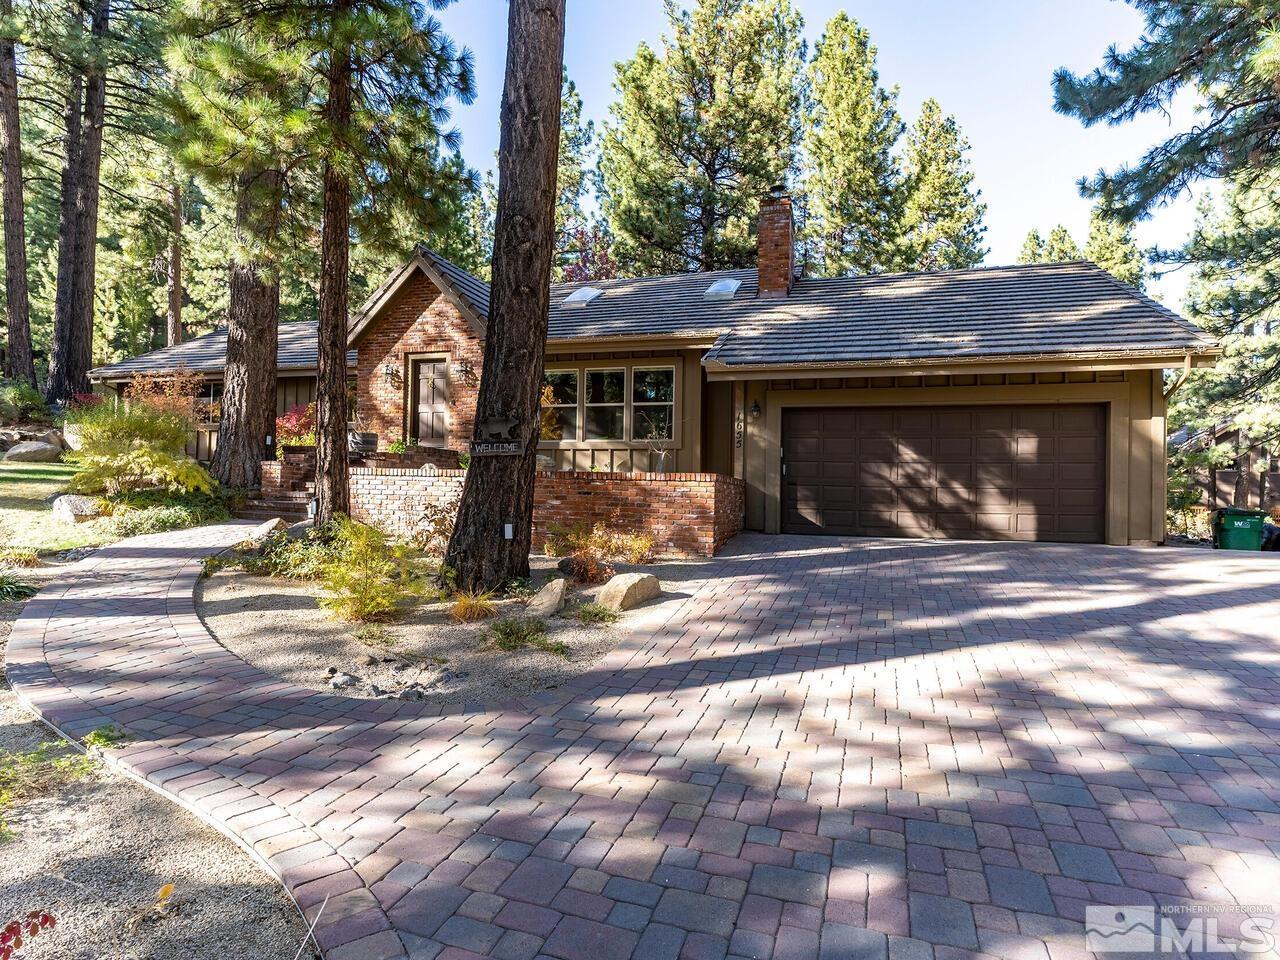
x=854, y=192
x=701, y=130
x=942, y=222
x=1058, y=248
x=1111, y=246
x=577, y=141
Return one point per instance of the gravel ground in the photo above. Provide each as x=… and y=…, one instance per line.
x=95, y=852
x=277, y=625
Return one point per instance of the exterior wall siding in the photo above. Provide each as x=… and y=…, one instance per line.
x=687, y=514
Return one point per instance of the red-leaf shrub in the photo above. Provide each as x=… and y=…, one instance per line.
x=16, y=932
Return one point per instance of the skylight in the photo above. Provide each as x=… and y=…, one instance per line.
x=722, y=289
x=581, y=297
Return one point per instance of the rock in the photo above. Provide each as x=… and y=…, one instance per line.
x=72, y=508
x=331, y=671
x=33, y=451
x=265, y=529
x=343, y=680
x=53, y=438
x=627, y=590
x=371, y=661
x=548, y=600
x=409, y=693
x=72, y=438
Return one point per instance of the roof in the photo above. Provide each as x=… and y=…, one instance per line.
x=296, y=350
x=1025, y=311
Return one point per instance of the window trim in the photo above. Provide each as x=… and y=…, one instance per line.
x=584, y=406
x=576, y=406
x=632, y=403
x=583, y=367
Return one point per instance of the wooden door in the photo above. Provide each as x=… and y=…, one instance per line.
x=429, y=424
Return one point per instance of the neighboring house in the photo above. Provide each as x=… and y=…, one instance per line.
x=1021, y=403
x=1218, y=487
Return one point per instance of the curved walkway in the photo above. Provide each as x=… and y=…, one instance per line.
x=832, y=748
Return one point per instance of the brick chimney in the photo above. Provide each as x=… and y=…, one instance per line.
x=776, y=261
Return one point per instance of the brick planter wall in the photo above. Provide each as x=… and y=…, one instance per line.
x=687, y=514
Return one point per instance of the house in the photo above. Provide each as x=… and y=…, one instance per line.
x=1011, y=403
x=1218, y=487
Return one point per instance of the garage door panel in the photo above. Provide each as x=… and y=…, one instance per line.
x=1021, y=473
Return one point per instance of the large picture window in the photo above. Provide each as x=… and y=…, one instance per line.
x=653, y=402
x=559, y=415
x=606, y=404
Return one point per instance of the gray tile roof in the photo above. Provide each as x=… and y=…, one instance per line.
x=296, y=350
x=469, y=285
x=1032, y=310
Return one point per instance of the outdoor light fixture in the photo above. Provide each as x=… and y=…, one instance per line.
x=389, y=372
x=755, y=409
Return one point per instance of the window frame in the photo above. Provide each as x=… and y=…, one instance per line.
x=576, y=406
x=628, y=365
x=584, y=406
x=632, y=403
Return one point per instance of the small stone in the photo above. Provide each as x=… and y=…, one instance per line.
x=375, y=690
x=547, y=601
x=331, y=671
x=462, y=674
x=265, y=529
x=409, y=693
x=72, y=508
x=343, y=680
x=371, y=661
x=627, y=590
x=33, y=451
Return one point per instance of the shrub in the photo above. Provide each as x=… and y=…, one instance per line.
x=370, y=575
x=155, y=511
x=304, y=558
x=519, y=588
x=134, y=447
x=12, y=589
x=296, y=427
x=20, y=401
x=434, y=527
x=173, y=393
x=594, y=613
x=19, y=557
x=471, y=605
x=516, y=633
x=590, y=547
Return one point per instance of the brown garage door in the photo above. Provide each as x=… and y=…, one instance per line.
x=973, y=473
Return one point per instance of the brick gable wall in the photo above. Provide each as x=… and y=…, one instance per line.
x=418, y=321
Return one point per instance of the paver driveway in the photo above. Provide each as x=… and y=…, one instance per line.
x=833, y=748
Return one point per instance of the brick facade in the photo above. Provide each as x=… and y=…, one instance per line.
x=687, y=514
x=418, y=322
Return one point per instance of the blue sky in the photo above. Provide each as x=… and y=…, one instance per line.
x=989, y=63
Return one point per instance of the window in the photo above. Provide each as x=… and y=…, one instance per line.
x=653, y=399
x=208, y=405
x=558, y=419
x=606, y=404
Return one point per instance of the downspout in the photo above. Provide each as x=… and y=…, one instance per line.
x=1182, y=377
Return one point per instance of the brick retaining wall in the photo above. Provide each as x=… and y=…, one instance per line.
x=687, y=514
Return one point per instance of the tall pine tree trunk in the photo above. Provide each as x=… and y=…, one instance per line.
x=19, y=363
x=78, y=234
x=249, y=377
x=332, y=476
x=499, y=490
x=1240, y=496
x=63, y=347
x=173, y=316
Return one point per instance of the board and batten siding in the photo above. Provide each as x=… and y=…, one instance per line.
x=1135, y=432
x=290, y=392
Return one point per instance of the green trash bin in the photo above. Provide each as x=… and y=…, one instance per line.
x=1237, y=529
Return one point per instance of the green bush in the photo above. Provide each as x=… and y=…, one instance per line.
x=13, y=589
x=132, y=447
x=370, y=576
x=594, y=613
x=303, y=558
x=20, y=401
x=516, y=633
x=155, y=511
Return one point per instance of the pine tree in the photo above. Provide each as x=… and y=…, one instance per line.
x=19, y=360
x=854, y=189
x=577, y=140
x=1058, y=248
x=701, y=129
x=1111, y=246
x=491, y=537
x=942, y=222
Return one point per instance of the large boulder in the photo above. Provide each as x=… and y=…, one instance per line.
x=627, y=590
x=72, y=438
x=73, y=508
x=53, y=438
x=547, y=601
x=33, y=451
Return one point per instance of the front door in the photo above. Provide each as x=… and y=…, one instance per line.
x=429, y=424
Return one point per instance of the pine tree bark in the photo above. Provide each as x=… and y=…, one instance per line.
x=73, y=325
x=19, y=362
x=1240, y=496
x=332, y=469
x=499, y=489
x=63, y=348
x=249, y=377
x=173, y=316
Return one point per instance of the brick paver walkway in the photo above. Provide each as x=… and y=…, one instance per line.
x=832, y=749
